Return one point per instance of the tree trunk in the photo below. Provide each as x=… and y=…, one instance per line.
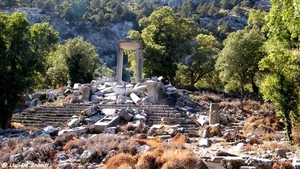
x=242, y=95
x=5, y=120
x=288, y=126
x=255, y=88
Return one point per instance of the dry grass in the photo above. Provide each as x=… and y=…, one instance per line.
x=207, y=98
x=296, y=134
x=282, y=164
x=261, y=126
x=15, y=125
x=179, y=139
x=273, y=145
x=251, y=105
x=72, y=144
x=32, y=149
x=120, y=160
x=61, y=140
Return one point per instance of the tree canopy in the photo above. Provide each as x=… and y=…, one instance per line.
x=201, y=62
x=281, y=85
x=238, y=60
x=166, y=39
x=22, y=51
x=74, y=62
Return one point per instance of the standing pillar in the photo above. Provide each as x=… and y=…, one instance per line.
x=119, y=64
x=214, y=115
x=139, y=64
x=152, y=93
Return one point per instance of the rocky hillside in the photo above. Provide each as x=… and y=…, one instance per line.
x=105, y=36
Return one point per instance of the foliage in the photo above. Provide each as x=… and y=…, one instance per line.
x=166, y=39
x=238, y=61
x=105, y=12
x=74, y=62
x=201, y=62
x=22, y=53
x=281, y=85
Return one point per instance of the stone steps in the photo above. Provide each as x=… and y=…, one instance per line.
x=58, y=116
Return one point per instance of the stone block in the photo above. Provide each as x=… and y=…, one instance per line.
x=109, y=112
x=73, y=123
x=204, y=143
x=296, y=163
x=106, y=122
x=76, y=131
x=232, y=162
x=260, y=163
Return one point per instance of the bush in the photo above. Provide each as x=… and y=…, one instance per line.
x=120, y=160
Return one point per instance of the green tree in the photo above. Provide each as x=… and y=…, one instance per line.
x=238, y=60
x=22, y=52
x=281, y=85
x=201, y=62
x=81, y=59
x=166, y=39
x=257, y=19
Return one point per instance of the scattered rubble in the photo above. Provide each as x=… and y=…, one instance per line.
x=146, y=110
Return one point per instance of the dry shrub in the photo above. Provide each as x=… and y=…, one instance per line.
x=130, y=127
x=273, y=145
x=141, y=141
x=71, y=144
x=253, y=140
x=46, y=152
x=250, y=119
x=120, y=160
x=128, y=146
x=211, y=97
x=212, y=131
x=61, y=140
x=15, y=125
x=260, y=126
x=179, y=138
x=249, y=147
x=147, y=161
x=182, y=158
x=282, y=164
x=251, y=105
x=267, y=107
x=296, y=134
x=169, y=156
x=102, y=144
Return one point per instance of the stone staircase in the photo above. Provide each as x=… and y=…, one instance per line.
x=58, y=116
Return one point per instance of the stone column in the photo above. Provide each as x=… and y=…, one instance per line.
x=152, y=93
x=119, y=64
x=135, y=98
x=139, y=64
x=214, y=115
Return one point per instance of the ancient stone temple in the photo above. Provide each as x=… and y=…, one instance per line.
x=130, y=44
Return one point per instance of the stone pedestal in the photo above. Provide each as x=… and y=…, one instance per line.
x=214, y=115
x=152, y=93
x=86, y=91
